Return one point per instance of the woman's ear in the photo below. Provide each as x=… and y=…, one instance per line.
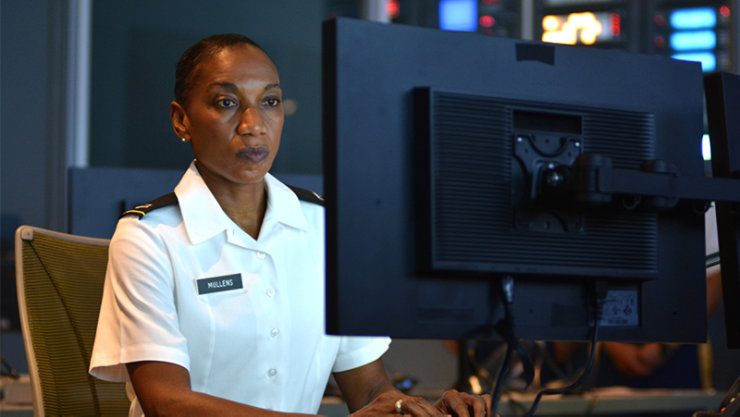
x=180, y=122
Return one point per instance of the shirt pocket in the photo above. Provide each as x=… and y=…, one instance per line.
x=230, y=300
x=229, y=323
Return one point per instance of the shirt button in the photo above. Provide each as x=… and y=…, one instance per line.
x=270, y=292
x=272, y=372
x=260, y=255
x=274, y=332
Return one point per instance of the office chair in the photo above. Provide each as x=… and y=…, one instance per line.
x=60, y=285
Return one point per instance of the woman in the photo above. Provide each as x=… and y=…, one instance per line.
x=213, y=303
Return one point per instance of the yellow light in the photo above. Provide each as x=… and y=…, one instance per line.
x=550, y=23
x=475, y=385
x=579, y=26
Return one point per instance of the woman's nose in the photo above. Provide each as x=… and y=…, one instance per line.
x=251, y=122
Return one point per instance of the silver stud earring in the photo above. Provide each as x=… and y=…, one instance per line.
x=184, y=140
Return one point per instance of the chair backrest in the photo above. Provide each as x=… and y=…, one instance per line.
x=60, y=285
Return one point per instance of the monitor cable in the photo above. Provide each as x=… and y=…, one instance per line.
x=505, y=328
x=597, y=296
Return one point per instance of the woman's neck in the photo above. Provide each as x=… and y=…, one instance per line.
x=245, y=207
x=245, y=204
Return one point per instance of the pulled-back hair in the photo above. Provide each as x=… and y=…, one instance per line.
x=199, y=52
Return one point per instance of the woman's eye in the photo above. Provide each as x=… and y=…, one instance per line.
x=273, y=102
x=225, y=103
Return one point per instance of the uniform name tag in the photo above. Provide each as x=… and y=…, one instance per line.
x=217, y=284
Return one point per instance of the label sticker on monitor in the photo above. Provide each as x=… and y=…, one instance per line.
x=621, y=309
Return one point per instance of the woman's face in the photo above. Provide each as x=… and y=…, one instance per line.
x=234, y=115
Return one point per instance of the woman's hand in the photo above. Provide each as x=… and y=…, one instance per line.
x=637, y=361
x=368, y=392
x=452, y=403
x=461, y=404
x=394, y=403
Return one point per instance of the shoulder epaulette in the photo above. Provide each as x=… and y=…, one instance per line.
x=159, y=202
x=308, y=196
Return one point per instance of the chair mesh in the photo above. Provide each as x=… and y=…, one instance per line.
x=63, y=287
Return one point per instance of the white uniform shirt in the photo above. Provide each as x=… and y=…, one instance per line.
x=263, y=344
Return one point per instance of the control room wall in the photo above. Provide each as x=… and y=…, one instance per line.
x=134, y=50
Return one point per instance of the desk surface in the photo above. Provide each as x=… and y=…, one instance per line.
x=597, y=402
x=615, y=400
x=603, y=401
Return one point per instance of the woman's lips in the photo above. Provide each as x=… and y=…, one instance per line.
x=255, y=154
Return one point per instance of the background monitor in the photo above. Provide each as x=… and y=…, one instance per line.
x=448, y=159
x=99, y=195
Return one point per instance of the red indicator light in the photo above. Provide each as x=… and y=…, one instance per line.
x=659, y=20
x=724, y=11
x=487, y=21
x=615, y=21
x=392, y=8
x=491, y=1
x=659, y=42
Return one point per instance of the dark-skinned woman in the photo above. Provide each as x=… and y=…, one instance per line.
x=213, y=301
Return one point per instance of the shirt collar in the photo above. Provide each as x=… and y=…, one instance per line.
x=204, y=218
x=283, y=205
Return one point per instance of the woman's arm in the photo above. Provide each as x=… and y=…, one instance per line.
x=163, y=389
x=360, y=386
x=368, y=392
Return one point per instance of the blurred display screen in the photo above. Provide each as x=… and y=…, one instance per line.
x=584, y=28
x=698, y=18
x=692, y=35
x=566, y=3
x=458, y=15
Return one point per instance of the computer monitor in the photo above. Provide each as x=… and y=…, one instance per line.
x=723, y=103
x=453, y=161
